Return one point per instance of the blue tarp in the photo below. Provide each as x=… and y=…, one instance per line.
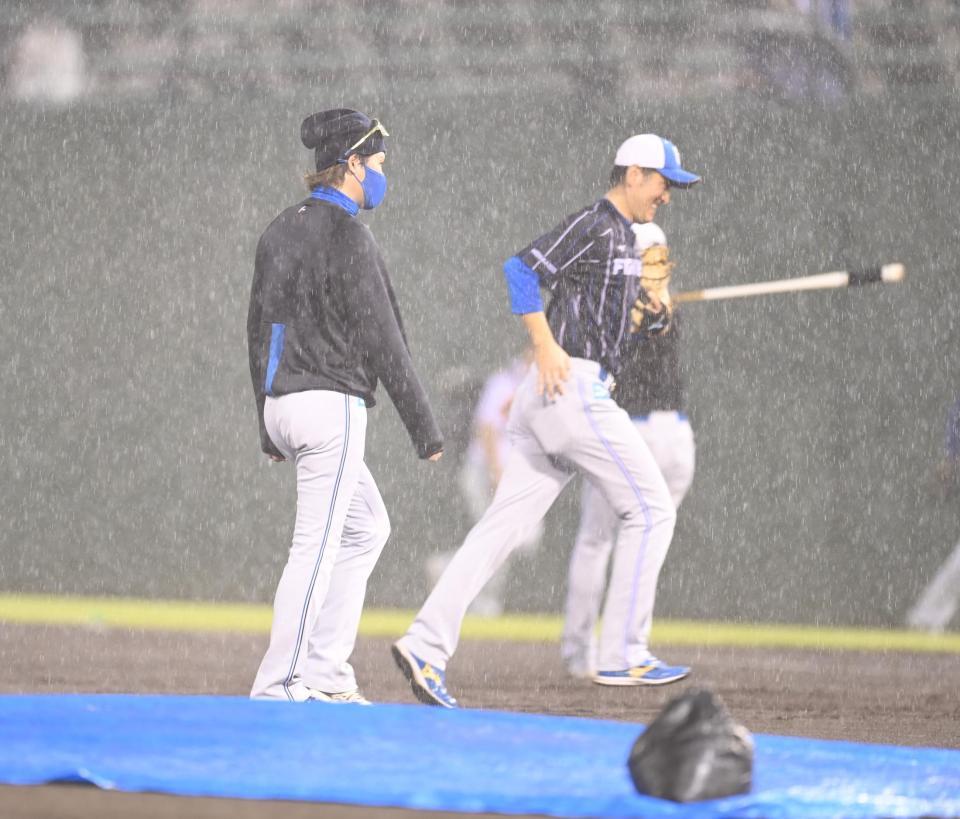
x=413, y=756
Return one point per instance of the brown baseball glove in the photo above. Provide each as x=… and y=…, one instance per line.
x=652, y=310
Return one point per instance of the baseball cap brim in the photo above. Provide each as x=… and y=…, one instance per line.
x=679, y=177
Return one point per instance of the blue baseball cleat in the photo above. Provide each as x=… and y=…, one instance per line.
x=651, y=672
x=428, y=683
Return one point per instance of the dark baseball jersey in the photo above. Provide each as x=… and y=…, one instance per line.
x=589, y=265
x=650, y=377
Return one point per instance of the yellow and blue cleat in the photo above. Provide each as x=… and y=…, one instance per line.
x=428, y=683
x=651, y=672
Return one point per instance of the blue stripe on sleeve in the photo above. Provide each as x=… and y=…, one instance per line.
x=276, y=350
x=524, y=287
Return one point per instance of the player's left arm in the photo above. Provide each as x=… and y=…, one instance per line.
x=371, y=303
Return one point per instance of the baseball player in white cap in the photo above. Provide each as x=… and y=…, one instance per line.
x=650, y=388
x=563, y=420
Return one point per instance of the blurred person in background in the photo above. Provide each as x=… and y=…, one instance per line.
x=939, y=601
x=47, y=64
x=831, y=16
x=804, y=57
x=651, y=388
x=483, y=465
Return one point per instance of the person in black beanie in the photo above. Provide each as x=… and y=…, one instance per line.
x=322, y=329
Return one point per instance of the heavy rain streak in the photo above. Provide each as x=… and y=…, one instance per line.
x=807, y=440
x=147, y=145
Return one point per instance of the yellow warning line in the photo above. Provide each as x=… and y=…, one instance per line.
x=182, y=615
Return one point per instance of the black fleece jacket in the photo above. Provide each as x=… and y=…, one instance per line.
x=323, y=316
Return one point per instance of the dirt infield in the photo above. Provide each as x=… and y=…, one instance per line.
x=893, y=697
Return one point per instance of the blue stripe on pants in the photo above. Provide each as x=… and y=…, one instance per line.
x=323, y=546
x=643, y=505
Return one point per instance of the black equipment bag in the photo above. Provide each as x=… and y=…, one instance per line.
x=692, y=751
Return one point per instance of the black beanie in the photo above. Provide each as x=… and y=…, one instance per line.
x=332, y=133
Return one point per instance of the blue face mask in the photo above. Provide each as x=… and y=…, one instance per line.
x=374, y=186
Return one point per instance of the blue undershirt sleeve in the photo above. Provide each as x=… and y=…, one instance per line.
x=524, y=286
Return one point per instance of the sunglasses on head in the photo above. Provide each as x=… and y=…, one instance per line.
x=377, y=128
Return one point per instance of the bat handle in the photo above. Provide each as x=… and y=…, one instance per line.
x=865, y=275
x=888, y=274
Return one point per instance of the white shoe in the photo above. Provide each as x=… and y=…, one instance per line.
x=354, y=697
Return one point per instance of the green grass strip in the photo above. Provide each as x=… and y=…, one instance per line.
x=122, y=612
x=184, y=615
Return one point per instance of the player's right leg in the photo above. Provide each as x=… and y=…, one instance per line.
x=608, y=448
x=334, y=636
x=531, y=482
x=586, y=581
x=323, y=433
x=669, y=437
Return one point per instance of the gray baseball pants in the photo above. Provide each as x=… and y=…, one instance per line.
x=583, y=430
x=670, y=440
x=340, y=530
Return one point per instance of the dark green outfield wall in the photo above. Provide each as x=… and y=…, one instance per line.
x=128, y=446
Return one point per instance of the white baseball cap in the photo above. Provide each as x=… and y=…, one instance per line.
x=656, y=153
x=647, y=235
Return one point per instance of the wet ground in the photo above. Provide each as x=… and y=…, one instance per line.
x=894, y=697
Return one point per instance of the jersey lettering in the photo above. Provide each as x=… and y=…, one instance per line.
x=626, y=267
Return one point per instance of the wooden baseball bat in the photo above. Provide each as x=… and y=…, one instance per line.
x=884, y=274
